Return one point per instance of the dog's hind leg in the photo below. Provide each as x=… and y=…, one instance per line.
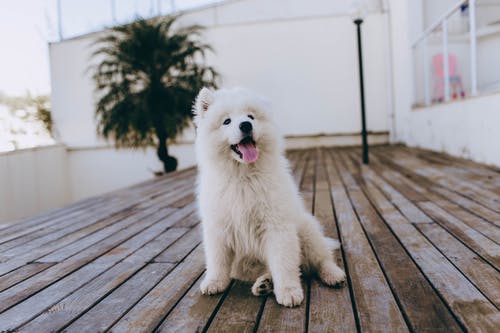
x=263, y=285
x=317, y=253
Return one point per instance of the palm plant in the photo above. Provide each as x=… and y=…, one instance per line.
x=147, y=77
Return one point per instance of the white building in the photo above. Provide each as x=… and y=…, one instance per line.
x=302, y=55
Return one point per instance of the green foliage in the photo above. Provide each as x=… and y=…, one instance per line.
x=148, y=75
x=35, y=108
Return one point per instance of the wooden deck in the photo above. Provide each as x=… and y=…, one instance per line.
x=420, y=243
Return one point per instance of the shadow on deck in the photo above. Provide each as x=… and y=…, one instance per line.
x=419, y=233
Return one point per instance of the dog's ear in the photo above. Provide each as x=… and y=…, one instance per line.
x=203, y=100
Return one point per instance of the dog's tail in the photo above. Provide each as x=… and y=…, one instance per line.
x=333, y=244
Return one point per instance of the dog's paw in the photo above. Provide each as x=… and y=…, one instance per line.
x=212, y=287
x=263, y=285
x=289, y=296
x=332, y=275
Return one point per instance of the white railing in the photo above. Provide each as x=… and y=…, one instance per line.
x=457, y=55
x=442, y=23
x=75, y=18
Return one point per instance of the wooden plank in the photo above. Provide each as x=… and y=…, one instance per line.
x=467, y=170
x=471, y=206
x=473, y=192
x=190, y=221
x=64, y=227
x=485, y=277
x=25, y=223
x=148, y=313
x=464, y=202
x=274, y=318
x=473, y=310
x=177, y=251
x=192, y=313
x=54, y=216
x=91, y=237
x=22, y=259
x=487, y=229
x=22, y=290
x=299, y=167
x=239, y=312
x=183, y=201
x=330, y=309
x=102, y=316
x=31, y=307
x=423, y=309
x=27, y=230
x=483, y=246
x=70, y=307
x=60, y=232
x=377, y=310
x=22, y=273
x=399, y=182
x=409, y=209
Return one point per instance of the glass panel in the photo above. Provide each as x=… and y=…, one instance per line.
x=435, y=66
x=488, y=45
x=82, y=17
x=459, y=54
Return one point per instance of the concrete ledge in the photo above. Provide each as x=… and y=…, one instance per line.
x=330, y=140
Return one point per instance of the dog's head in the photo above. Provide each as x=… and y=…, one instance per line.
x=233, y=123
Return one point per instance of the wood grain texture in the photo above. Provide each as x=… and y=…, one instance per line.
x=375, y=304
x=473, y=310
x=195, y=306
x=105, y=313
x=420, y=235
x=75, y=304
x=239, y=312
x=330, y=309
x=148, y=313
x=422, y=307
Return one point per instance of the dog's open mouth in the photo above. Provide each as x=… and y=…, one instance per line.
x=246, y=149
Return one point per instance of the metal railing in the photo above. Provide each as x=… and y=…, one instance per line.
x=445, y=65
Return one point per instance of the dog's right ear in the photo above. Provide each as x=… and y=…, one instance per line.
x=203, y=100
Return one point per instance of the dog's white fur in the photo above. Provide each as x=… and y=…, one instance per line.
x=255, y=225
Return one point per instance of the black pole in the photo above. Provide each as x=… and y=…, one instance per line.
x=358, y=23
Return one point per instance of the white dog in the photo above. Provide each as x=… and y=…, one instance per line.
x=255, y=225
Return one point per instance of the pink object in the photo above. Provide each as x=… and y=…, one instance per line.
x=454, y=78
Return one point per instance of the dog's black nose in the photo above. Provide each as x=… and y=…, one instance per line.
x=246, y=127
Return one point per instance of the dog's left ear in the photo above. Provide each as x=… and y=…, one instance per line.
x=203, y=100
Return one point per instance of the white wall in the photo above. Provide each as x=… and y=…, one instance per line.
x=99, y=170
x=302, y=59
x=32, y=180
x=300, y=55
x=401, y=69
x=466, y=128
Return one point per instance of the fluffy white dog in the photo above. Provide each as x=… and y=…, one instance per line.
x=255, y=225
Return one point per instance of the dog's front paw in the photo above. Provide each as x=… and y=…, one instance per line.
x=213, y=286
x=289, y=296
x=332, y=275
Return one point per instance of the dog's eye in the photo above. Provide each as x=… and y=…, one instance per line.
x=251, y=117
x=227, y=121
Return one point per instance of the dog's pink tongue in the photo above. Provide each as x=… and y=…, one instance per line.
x=249, y=152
